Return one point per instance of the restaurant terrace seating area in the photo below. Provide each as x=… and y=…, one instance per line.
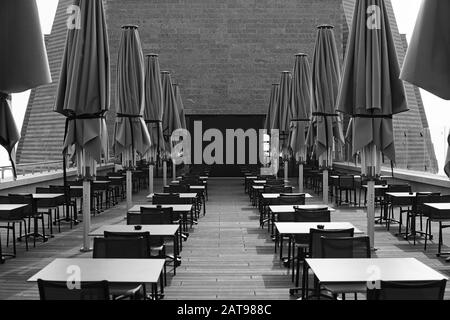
x=244, y=241
x=164, y=154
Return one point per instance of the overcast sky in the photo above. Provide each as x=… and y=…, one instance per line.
x=438, y=111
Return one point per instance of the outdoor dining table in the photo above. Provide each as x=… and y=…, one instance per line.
x=180, y=209
x=40, y=201
x=115, y=271
x=268, y=199
x=247, y=180
x=7, y=210
x=193, y=196
x=163, y=230
x=356, y=275
x=408, y=200
x=440, y=212
x=291, y=229
x=274, y=210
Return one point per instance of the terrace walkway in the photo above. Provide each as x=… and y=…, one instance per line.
x=227, y=255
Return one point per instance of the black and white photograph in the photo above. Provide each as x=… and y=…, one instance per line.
x=225, y=158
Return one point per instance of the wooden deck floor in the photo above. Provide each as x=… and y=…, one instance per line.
x=227, y=255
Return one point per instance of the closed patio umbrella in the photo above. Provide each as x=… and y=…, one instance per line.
x=19, y=70
x=282, y=116
x=427, y=62
x=301, y=110
x=130, y=133
x=371, y=91
x=171, y=118
x=325, y=77
x=83, y=97
x=153, y=112
x=273, y=101
x=180, y=107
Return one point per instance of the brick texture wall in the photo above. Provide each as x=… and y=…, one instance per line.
x=224, y=54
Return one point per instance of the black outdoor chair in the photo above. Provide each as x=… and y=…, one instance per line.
x=56, y=290
x=124, y=248
x=312, y=250
x=411, y=290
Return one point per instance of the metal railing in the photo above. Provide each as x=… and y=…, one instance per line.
x=24, y=169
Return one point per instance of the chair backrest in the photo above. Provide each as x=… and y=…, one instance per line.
x=444, y=198
x=316, y=235
x=151, y=240
x=169, y=199
x=275, y=182
x=346, y=181
x=291, y=199
x=421, y=198
x=277, y=189
x=154, y=216
x=176, y=188
x=4, y=200
x=320, y=215
x=24, y=199
x=125, y=248
x=43, y=190
x=58, y=290
x=345, y=247
x=411, y=290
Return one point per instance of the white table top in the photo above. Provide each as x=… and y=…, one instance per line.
x=197, y=187
x=101, y=182
x=47, y=195
x=260, y=181
x=153, y=229
x=364, y=270
x=116, y=178
x=290, y=208
x=182, y=195
x=304, y=227
x=112, y=270
x=11, y=207
x=176, y=207
x=251, y=177
x=439, y=206
x=377, y=186
x=277, y=195
x=200, y=177
x=403, y=194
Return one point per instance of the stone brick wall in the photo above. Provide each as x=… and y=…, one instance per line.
x=224, y=54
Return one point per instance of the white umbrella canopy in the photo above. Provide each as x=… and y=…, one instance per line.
x=427, y=62
x=371, y=92
x=301, y=105
x=282, y=109
x=171, y=117
x=325, y=78
x=180, y=106
x=23, y=57
x=130, y=132
x=153, y=112
x=273, y=101
x=21, y=35
x=83, y=96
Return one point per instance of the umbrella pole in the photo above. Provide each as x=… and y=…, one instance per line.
x=150, y=178
x=370, y=155
x=286, y=172
x=86, y=201
x=164, y=173
x=300, y=177
x=325, y=186
x=174, y=171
